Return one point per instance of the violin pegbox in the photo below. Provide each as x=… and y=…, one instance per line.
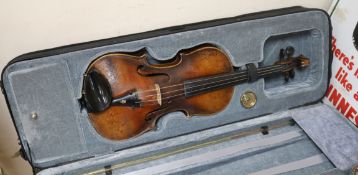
x=289, y=62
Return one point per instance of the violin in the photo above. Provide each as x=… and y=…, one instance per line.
x=126, y=93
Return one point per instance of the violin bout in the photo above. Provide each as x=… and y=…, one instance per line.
x=159, y=89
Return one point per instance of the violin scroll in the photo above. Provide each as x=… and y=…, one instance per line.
x=302, y=62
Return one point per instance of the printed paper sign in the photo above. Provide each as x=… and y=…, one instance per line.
x=342, y=92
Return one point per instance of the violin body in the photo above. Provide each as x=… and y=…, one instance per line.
x=126, y=93
x=154, y=85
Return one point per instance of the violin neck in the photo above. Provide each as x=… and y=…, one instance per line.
x=207, y=84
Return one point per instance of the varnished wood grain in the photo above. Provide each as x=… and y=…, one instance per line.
x=126, y=72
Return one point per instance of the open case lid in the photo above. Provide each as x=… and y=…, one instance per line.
x=47, y=84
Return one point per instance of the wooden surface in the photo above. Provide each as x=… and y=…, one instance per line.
x=40, y=24
x=123, y=75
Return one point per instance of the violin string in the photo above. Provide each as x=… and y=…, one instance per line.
x=235, y=73
x=196, y=90
x=261, y=71
x=177, y=95
x=203, y=88
x=199, y=89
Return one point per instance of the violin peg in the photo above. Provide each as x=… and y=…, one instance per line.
x=289, y=51
x=287, y=77
x=282, y=54
x=292, y=74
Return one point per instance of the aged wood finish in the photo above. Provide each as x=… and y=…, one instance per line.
x=125, y=94
x=127, y=72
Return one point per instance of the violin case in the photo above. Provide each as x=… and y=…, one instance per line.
x=288, y=131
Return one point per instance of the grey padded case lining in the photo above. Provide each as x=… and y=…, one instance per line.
x=336, y=137
x=245, y=161
x=51, y=86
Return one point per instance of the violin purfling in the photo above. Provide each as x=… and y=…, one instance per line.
x=126, y=93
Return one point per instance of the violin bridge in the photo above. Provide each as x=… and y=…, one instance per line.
x=159, y=95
